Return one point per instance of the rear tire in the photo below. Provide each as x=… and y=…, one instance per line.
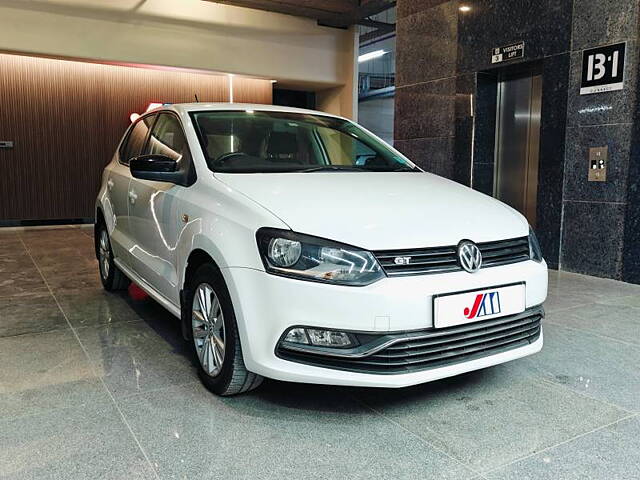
x=111, y=276
x=213, y=334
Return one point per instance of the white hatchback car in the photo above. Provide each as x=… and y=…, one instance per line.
x=296, y=245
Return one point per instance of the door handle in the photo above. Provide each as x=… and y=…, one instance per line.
x=110, y=184
x=132, y=196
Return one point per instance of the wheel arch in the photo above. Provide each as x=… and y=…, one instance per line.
x=197, y=257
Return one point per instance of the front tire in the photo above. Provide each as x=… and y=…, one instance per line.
x=111, y=276
x=213, y=334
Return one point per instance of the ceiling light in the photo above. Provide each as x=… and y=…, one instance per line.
x=465, y=8
x=371, y=55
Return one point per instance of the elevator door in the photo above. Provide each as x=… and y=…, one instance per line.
x=518, y=142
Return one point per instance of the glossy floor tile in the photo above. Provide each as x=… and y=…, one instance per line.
x=96, y=385
x=591, y=365
x=611, y=453
x=134, y=357
x=20, y=279
x=31, y=314
x=89, y=442
x=489, y=418
x=99, y=307
x=304, y=432
x=43, y=372
x=590, y=318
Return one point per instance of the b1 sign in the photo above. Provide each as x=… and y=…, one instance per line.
x=603, y=69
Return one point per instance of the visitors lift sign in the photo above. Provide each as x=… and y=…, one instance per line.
x=603, y=69
x=510, y=52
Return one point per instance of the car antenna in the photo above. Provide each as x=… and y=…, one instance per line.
x=196, y=95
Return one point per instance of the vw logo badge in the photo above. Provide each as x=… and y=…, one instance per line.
x=469, y=256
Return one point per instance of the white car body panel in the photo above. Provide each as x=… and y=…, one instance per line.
x=154, y=234
x=381, y=211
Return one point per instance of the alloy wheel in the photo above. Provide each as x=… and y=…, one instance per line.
x=104, y=254
x=207, y=323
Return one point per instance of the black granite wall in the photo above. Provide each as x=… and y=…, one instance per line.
x=595, y=213
x=445, y=114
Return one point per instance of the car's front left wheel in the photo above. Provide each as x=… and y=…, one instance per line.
x=111, y=276
x=214, y=334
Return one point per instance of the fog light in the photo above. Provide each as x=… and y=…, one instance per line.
x=316, y=337
x=297, y=335
x=329, y=338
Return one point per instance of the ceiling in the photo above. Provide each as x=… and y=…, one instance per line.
x=333, y=13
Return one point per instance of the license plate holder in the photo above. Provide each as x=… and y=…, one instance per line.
x=459, y=308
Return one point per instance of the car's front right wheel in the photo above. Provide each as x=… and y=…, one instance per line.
x=214, y=334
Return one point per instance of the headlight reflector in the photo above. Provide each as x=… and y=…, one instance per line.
x=535, y=253
x=316, y=259
x=283, y=252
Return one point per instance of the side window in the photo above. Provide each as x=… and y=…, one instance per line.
x=134, y=143
x=167, y=138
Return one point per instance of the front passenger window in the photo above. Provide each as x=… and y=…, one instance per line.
x=167, y=138
x=135, y=141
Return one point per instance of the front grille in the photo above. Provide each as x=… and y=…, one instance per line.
x=426, y=349
x=445, y=259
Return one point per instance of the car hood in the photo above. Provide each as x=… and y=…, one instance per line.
x=380, y=211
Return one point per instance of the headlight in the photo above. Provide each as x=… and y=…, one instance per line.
x=535, y=253
x=305, y=257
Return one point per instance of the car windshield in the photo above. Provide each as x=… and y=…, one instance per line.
x=262, y=142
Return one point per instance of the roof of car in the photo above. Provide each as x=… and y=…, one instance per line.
x=198, y=107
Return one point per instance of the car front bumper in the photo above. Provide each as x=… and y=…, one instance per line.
x=267, y=305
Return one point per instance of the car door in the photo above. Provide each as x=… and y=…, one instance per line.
x=118, y=188
x=155, y=211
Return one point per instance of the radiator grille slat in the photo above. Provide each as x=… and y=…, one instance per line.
x=408, y=361
x=445, y=259
x=424, y=353
x=462, y=337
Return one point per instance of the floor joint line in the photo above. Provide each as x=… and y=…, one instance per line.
x=475, y=472
x=104, y=385
x=564, y=442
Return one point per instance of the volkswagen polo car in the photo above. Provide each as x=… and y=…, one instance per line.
x=298, y=246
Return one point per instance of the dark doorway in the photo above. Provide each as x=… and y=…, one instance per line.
x=294, y=98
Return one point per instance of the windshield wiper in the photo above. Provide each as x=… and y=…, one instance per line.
x=345, y=168
x=330, y=168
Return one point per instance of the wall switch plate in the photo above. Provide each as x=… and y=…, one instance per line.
x=598, y=157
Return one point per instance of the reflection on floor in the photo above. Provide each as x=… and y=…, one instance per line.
x=95, y=385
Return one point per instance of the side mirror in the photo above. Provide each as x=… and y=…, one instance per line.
x=158, y=168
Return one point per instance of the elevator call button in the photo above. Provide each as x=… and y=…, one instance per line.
x=598, y=157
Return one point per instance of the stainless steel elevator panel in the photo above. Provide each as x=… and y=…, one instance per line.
x=518, y=142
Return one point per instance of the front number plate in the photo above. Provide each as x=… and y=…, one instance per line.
x=454, y=309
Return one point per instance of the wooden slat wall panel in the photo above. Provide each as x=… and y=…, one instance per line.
x=67, y=117
x=251, y=90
